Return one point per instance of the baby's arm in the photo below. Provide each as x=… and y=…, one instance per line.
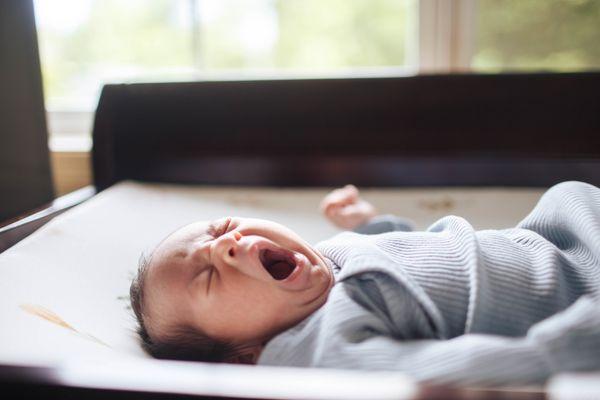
x=566, y=342
x=347, y=210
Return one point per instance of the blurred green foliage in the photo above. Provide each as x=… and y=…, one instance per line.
x=160, y=39
x=313, y=34
x=338, y=33
x=115, y=40
x=557, y=35
x=145, y=40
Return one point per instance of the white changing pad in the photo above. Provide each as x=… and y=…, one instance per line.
x=63, y=290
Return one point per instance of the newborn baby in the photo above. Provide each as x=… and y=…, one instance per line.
x=449, y=305
x=217, y=291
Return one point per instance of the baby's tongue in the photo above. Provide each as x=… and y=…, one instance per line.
x=280, y=270
x=278, y=263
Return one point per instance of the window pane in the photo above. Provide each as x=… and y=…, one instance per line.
x=308, y=35
x=85, y=43
x=537, y=35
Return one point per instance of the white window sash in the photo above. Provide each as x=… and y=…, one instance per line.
x=446, y=35
x=70, y=130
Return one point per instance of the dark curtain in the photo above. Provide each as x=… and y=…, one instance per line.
x=25, y=180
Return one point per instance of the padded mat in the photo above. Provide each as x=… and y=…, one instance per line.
x=63, y=290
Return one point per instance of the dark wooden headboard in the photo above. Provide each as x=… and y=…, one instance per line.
x=505, y=129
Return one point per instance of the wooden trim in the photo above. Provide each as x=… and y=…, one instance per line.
x=473, y=129
x=365, y=171
x=71, y=170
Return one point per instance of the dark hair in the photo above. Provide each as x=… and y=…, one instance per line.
x=184, y=342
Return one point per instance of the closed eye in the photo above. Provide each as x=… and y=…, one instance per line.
x=210, y=275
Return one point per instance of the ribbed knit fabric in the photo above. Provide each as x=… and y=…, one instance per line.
x=455, y=305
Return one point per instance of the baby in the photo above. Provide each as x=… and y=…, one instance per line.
x=217, y=291
x=450, y=304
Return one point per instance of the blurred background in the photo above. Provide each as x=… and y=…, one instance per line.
x=56, y=56
x=86, y=43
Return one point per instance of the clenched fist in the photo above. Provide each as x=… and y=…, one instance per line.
x=345, y=209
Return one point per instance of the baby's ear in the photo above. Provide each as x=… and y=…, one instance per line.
x=248, y=356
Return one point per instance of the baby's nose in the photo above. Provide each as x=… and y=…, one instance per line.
x=231, y=244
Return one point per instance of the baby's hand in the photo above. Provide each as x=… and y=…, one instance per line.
x=345, y=209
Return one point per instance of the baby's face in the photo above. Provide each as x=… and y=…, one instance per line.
x=236, y=279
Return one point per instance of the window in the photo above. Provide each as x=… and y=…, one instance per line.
x=86, y=43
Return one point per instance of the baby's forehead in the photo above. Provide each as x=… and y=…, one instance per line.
x=167, y=265
x=183, y=235
x=176, y=245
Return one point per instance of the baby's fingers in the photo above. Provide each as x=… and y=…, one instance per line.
x=349, y=192
x=346, y=217
x=339, y=197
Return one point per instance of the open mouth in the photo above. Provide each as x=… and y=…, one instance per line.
x=279, y=263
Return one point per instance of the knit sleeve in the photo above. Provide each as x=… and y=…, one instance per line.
x=385, y=223
x=568, y=341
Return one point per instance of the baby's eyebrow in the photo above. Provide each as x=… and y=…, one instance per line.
x=211, y=230
x=217, y=227
x=197, y=267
